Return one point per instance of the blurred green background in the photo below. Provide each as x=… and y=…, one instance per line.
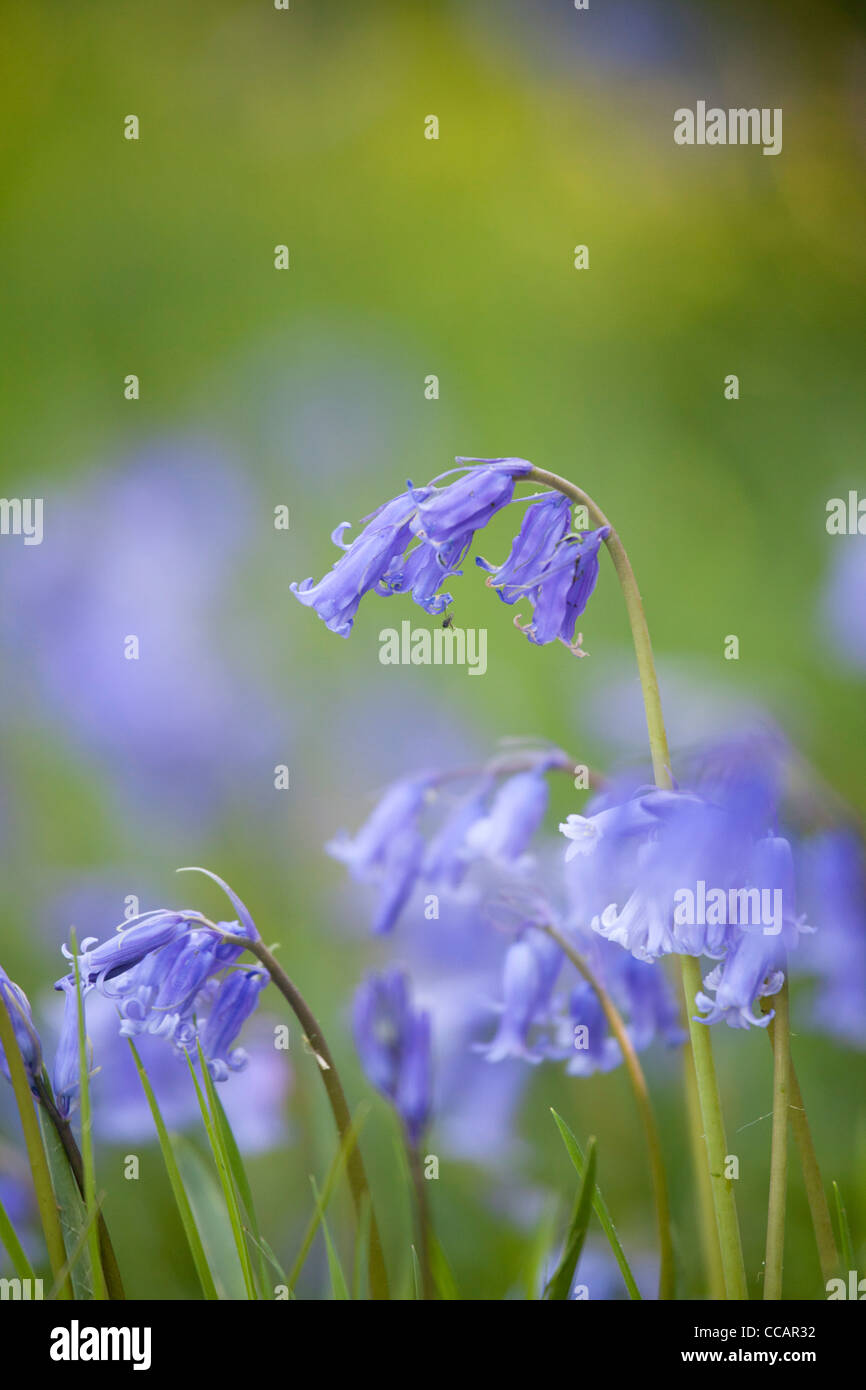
x=411, y=257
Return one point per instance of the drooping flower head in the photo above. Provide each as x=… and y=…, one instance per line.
x=170, y=974
x=412, y=543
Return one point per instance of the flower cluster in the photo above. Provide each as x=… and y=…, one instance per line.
x=699, y=872
x=413, y=543
x=169, y=974
x=393, y=1041
x=493, y=821
x=476, y=851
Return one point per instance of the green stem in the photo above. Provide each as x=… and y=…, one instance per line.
x=828, y=1252
x=419, y=1183
x=45, y=1198
x=337, y=1099
x=706, y=1207
x=641, y=1094
x=775, y=1251
x=714, y=1138
x=711, y=1110
x=87, y=1156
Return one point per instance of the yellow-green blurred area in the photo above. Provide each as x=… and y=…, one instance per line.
x=410, y=258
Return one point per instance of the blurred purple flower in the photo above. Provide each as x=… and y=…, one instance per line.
x=393, y=1042
x=834, y=882
x=151, y=550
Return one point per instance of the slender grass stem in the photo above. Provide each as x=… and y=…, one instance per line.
x=336, y=1097
x=87, y=1156
x=822, y=1225
x=422, y=1205
x=644, y=1105
x=775, y=1249
x=712, y=1252
x=45, y=1198
x=710, y=1104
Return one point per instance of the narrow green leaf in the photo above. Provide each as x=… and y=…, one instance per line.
x=562, y=1279
x=600, y=1205
x=220, y=1156
x=207, y=1199
x=337, y=1164
x=181, y=1199
x=417, y=1282
x=846, y=1244
x=245, y=1193
x=77, y=1250
x=72, y=1213
x=446, y=1285
x=339, y=1287
x=13, y=1246
x=362, y=1247
x=86, y=1121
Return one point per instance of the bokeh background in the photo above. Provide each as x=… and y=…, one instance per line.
x=412, y=257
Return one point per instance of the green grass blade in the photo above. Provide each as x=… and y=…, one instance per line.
x=337, y=1164
x=362, y=1249
x=207, y=1199
x=600, y=1205
x=78, y=1249
x=72, y=1213
x=218, y=1149
x=846, y=1244
x=13, y=1246
x=417, y=1282
x=87, y=1157
x=446, y=1285
x=178, y=1190
x=561, y=1282
x=339, y=1287
x=245, y=1192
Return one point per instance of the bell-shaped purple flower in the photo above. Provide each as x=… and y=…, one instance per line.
x=363, y=564
x=563, y=589
x=455, y=513
x=525, y=993
x=18, y=1007
x=545, y=523
x=516, y=813
x=67, y=1059
x=394, y=1045
x=234, y=999
x=835, y=887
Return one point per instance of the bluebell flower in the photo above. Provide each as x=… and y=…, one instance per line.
x=388, y=850
x=834, y=876
x=368, y=850
x=412, y=543
x=545, y=523
x=234, y=998
x=755, y=960
x=516, y=813
x=18, y=1007
x=562, y=591
x=447, y=857
x=394, y=1045
x=152, y=545
x=527, y=980
x=135, y=939
x=66, y=1075
x=602, y=1051
x=455, y=513
x=361, y=568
